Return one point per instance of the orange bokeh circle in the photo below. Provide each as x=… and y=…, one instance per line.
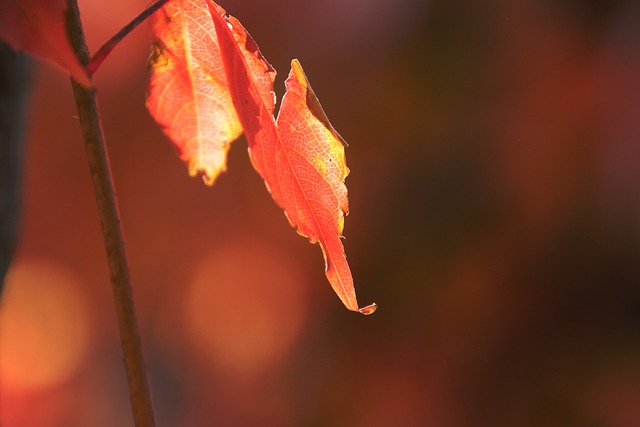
x=44, y=333
x=245, y=307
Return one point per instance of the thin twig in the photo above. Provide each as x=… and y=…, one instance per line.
x=102, y=53
x=112, y=232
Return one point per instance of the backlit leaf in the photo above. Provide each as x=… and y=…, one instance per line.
x=188, y=94
x=38, y=27
x=301, y=159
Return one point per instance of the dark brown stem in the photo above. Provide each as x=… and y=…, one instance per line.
x=102, y=53
x=112, y=232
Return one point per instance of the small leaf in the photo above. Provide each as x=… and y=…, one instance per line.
x=301, y=159
x=315, y=196
x=38, y=27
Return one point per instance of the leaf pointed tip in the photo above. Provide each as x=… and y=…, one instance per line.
x=298, y=72
x=368, y=310
x=209, y=180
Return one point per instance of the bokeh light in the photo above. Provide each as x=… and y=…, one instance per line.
x=245, y=306
x=44, y=326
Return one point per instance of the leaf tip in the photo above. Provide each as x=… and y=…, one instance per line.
x=298, y=77
x=368, y=310
x=296, y=66
x=208, y=180
x=208, y=173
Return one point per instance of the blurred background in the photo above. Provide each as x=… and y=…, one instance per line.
x=495, y=219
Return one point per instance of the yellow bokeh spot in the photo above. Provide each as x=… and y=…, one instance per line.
x=43, y=326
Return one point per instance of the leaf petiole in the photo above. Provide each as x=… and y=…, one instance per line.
x=98, y=58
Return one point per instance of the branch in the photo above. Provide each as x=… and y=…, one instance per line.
x=96, y=60
x=98, y=160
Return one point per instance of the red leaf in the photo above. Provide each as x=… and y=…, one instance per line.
x=188, y=94
x=38, y=27
x=301, y=159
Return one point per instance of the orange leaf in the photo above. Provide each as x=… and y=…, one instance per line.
x=38, y=27
x=317, y=198
x=188, y=94
x=301, y=159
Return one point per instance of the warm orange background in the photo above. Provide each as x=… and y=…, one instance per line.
x=495, y=219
